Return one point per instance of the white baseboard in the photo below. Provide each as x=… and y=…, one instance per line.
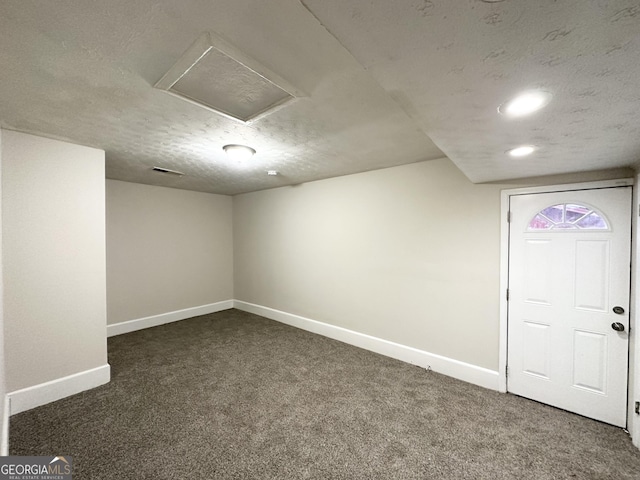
x=454, y=368
x=6, y=413
x=32, y=397
x=161, y=319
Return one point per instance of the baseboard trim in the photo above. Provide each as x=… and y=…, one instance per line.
x=37, y=395
x=161, y=319
x=454, y=368
x=6, y=413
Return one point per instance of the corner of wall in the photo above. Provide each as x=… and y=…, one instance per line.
x=36, y=365
x=4, y=439
x=4, y=401
x=634, y=346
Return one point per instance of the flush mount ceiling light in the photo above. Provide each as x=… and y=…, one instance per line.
x=525, y=104
x=521, y=151
x=239, y=153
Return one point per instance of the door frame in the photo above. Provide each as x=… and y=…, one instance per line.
x=504, y=268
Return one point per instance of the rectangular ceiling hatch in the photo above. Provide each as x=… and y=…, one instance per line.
x=215, y=75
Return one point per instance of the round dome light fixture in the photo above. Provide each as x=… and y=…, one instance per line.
x=525, y=104
x=239, y=153
x=522, y=151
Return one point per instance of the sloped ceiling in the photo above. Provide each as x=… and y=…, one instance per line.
x=386, y=83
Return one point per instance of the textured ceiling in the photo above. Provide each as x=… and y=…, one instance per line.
x=385, y=80
x=450, y=64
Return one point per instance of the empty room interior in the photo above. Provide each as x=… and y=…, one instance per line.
x=321, y=238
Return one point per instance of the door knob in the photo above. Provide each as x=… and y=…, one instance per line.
x=617, y=326
x=618, y=310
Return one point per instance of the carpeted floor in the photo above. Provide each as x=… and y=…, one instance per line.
x=233, y=395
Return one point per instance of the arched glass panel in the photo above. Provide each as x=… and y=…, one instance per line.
x=568, y=216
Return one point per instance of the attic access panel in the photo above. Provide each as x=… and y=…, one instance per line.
x=215, y=75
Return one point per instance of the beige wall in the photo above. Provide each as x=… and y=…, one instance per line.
x=4, y=441
x=634, y=319
x=409, y=254
x=167, y=250
x=53, y=235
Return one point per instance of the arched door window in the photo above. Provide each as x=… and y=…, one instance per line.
x=568, y=216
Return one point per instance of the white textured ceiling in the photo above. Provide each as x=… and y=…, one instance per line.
x=450, y=64
x=385, y=80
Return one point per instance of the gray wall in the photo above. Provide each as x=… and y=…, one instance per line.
x=53, y=234
x=167, y=250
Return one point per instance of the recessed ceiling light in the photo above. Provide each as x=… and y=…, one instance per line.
x=525, y=103
x=239, y=153
x=521, y=151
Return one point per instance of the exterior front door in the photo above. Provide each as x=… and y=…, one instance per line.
x=568, y=309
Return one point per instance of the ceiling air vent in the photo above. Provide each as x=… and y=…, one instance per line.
x=215, y=75
x=167, y=171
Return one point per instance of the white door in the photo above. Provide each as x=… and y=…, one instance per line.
x=568, y=318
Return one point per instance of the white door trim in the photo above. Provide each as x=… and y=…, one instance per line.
x=504, y=257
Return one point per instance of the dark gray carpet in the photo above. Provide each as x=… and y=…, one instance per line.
x=234, y=395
